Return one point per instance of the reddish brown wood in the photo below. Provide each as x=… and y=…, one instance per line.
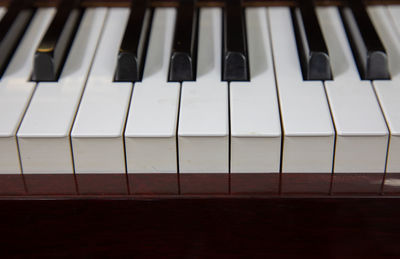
x=392, y=184
x=102, y=184
x=60, y=184
x=206, y=183
x=306, y=183
x=153, y=183
x=200, y=183
x=201, y=228
x=357, y=183
x=254, y=183
x=12, y=184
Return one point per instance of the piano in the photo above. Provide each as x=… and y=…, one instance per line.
x=194, y=109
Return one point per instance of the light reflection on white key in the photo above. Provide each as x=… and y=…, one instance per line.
x=3, y=11
x=43, y=136
x=203, y=122
x=387, y=24
x=362, y=134
x=306, y=119
x=16, y=89
x=150, y=135
x=255, y=121
x=97, y=134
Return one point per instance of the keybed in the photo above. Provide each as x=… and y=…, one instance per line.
x=198, y=95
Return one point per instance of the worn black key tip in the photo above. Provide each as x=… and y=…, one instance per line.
x=184, y=49
x=378, y=66
x=319, y=67
x=132, y=52
x=312, y=50
x=235, y=68
x=235, y=59
x=368, y=50
x=53, y=49
x=44, y=69
x=127, y=68
x=181, y=67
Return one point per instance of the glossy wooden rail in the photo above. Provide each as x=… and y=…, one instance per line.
x=267, y=184
x=205, y=227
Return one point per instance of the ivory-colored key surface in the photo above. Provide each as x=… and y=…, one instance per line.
x=307, y=125
x=150, y=135
x=387, y=23
x=362, y=134
x=16, y=90
x=44, y=134
x=3, y=11
x=97, y=134
x=203, y=122
x=254, y=109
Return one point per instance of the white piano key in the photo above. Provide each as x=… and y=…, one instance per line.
x=3, y=11
x=306, y=119
x=394, y=11
x=44, y=134
x=204, y=120
x=16, y=90
x=150, y=135
x=388, y=91
x=255, y=121
x=97, y=134
x=362, y=134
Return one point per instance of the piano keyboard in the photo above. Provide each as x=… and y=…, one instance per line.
x=169, y=100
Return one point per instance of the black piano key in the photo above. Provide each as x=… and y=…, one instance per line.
x=184, y=51
x=235, y=58
x=53, y=48
x=133, y=47
x=368, y=50
x=12, y=27
x=313, y=53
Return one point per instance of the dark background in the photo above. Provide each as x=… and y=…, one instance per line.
x=200, y=227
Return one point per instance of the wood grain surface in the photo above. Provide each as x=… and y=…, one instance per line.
x=213, y=227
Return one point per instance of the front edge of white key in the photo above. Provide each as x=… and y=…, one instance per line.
x=387, y=23
x=97, y=134
x=16, y=90
x=150, y=134
x=254, y=109
x=43, y=137
x=308, y=132
x=362, y=134
x=204, y=120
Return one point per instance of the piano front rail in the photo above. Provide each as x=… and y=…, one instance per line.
x=206, y=226
x=231, y=225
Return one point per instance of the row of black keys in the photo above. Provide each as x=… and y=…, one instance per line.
x=53, y=49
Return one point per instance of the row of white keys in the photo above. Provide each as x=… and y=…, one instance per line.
x=254, y=109
x=307, y=125
x=44, y=134
x=150, y=135
x=97, y=134
x=204, y=119
x=362, y=135
x=16, y=90
x=388, y=91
